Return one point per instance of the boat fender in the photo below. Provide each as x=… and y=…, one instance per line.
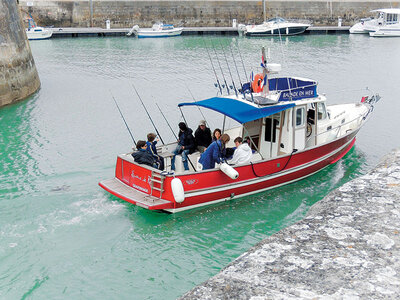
x=256, y=85
x=177, y=190
x=229, y=171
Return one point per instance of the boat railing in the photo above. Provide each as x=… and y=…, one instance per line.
x=335, y=131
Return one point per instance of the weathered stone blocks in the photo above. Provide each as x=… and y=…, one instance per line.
x=18, y=74
x=195, y=13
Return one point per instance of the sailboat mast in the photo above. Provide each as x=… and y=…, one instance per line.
x=265, y=17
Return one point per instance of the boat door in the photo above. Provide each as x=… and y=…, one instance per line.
x=299, y=127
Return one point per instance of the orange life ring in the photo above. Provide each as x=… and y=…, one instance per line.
x=256, y=85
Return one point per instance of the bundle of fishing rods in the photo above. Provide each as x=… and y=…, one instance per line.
x=224, y=85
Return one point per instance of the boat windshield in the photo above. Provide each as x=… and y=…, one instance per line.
x=277, y=20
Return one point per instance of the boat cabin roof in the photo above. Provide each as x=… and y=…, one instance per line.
x=388, y=10
x=243, y=110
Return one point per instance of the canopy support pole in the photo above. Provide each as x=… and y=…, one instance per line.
x=251, y=140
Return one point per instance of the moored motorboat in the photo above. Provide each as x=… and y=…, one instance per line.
x=291, y=130
x=274, y=26
x=34, y=32
x=386, y=23
x=158, y=30
x=359, y=27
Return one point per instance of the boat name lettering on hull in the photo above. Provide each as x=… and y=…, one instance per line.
x=191, y=181
x=140, y=188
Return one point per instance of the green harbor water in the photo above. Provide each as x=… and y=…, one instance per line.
x=63, y=237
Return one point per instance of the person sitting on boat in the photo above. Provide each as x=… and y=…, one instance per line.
x=142, y=156
x=151, y=148
x=186, y=145
x=215, y=153
x=242, y=154
x=216, y=134
x=202, y=136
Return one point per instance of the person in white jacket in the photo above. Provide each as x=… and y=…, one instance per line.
x=242, y=154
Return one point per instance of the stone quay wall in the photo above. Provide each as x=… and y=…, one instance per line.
x=18, y=74
x=347, y=247
x=194, y=13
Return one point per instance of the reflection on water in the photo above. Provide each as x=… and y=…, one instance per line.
x=61, y=236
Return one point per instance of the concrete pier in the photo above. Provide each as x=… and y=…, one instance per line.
x=97, y=31
x=347, y=247
x=18, y=74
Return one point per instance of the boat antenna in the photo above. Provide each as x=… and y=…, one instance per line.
x=154, y=125
x=194, y=100
x=167, y=122
x=222, y=72
x=229, y=69
x=215, y=73
x=245, y=73
x=237, y=71
x=127, y=127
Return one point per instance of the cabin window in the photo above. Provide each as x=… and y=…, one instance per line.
x=391, y=18
x=300, y=116
x=321, y=111
x=271, y=124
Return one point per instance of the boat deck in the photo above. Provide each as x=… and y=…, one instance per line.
x=121, y=190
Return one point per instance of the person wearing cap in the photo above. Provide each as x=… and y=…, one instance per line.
x=215, y=153
x=202, y=136
x=141, y=156
x=186, y=145
x=151, y=148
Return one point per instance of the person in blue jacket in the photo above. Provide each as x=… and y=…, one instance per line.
x=186, y=145
x=151, y=148
x=215, y=153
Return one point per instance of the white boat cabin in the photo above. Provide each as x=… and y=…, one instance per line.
x=297, y=121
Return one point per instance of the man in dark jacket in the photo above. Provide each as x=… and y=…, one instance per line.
x=186, y=145
x=142, y=156
x=202, y=136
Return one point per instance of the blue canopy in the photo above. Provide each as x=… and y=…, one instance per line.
x=238, y=110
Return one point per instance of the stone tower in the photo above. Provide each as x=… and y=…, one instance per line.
x=18, y=75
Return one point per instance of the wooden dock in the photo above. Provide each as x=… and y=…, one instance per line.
x=97, y=31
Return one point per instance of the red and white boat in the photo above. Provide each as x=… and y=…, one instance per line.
x=293, y=135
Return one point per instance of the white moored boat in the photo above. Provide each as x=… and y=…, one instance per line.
x=158, y=30
x=274, y=26
x=386, y=24
x=34, y=32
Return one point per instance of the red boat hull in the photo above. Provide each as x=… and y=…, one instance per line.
x=212, y=186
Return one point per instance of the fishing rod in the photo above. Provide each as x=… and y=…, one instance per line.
x=229, y=69
x=167, y=122
x=204, y=118
x=237, y=70
x=245, y=73
x=148, y=114
x=127, y=127
x=215, y=73
x=222, y=72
